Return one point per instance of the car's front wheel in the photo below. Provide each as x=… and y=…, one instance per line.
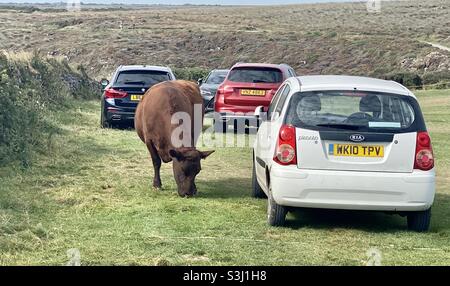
x=276, y=214
x=419, y=221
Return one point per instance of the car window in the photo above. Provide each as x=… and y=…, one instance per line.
x=274, y=101
x=216, y=78
x=282, y=100
x=256, y=75
x=146, y=78
x=348, y=110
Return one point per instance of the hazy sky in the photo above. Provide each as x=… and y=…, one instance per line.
x=176, y=2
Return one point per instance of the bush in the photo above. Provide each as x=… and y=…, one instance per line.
x=437, y=80
x=30, y=87
x=408, y=79
x=429, y=80
x=192, y=74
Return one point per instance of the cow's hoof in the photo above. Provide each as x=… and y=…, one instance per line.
x=187, y=195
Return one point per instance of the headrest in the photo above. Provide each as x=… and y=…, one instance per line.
x=310, y=103
x=370, y=103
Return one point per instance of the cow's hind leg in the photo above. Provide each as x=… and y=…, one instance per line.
x=156, y=164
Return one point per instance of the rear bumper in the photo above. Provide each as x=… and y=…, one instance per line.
x=240, y=119
x=228, y=117
x=352, y=190
x=119, y=116
x=115, y=113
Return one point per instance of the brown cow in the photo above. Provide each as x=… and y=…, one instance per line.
x=153, y=123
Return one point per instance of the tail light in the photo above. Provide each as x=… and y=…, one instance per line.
x=285, y=152
x=424, y=159
x=112, y=93
x=225, y=90
x=219, y=99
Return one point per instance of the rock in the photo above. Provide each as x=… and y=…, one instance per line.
x=434, y=61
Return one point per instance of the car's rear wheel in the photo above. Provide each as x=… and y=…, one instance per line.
x=276, y=214
x=257, y=191
x=419, y=221
x=104, y=123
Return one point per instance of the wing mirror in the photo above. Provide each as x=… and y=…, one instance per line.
x=200, y=81
x=104, y=82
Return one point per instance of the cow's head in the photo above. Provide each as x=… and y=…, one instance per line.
x=186, y=166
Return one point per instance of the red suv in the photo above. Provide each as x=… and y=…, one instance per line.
x=246, y=87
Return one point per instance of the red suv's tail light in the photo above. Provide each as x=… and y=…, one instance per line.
x=285, y=152
x=112, y=93
x=225, y=90
x=424, y=158
x=219, y=99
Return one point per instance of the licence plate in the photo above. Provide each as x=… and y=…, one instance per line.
x=253, y=92
x=136, y=97
x=349, y=150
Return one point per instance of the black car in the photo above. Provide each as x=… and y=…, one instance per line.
x=127, y=87
x=209, y=85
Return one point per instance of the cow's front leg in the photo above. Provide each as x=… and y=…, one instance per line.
x=156, y=164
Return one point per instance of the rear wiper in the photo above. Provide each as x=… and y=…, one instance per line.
x=135, y=82
x=340, y=126
x=261, y=81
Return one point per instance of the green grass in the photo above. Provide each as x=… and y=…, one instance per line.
x=94, y=193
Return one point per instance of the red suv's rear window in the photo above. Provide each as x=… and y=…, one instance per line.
x=256, y=75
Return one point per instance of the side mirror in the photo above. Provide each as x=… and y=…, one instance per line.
x=260, y=114
x=200, y=81
x=104, y=82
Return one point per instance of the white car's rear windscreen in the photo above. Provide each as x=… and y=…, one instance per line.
x=354, y=111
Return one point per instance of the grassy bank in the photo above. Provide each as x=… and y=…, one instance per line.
x=32, y=88
x=94, y=194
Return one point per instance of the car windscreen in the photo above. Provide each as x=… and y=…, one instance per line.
x=145, y=78
x=355, y=111
x=256, y=75
x=216, y=78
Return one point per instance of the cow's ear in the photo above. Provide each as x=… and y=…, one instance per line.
x=205, y=154
x=176, y=154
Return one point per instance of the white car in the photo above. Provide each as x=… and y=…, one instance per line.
x=344, y=142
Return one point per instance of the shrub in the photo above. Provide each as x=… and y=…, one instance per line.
x=408, y=79
x=192, y=74
x=437, y=80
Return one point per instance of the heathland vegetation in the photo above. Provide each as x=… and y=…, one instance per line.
x=340, y=38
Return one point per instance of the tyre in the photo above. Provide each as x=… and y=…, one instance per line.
x=419, y=221
x=276, y=214
x=257, y=191
x=103, y=122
